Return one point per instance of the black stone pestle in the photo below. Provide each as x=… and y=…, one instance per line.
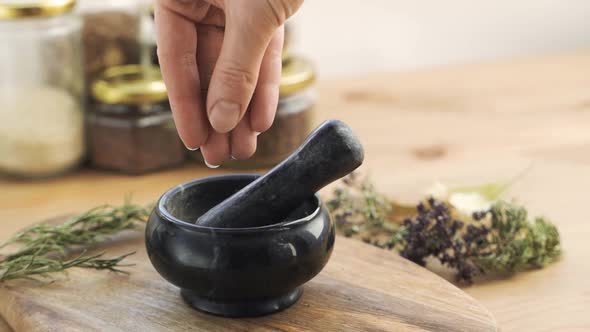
x=330, y=152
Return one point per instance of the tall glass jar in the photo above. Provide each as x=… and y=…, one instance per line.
x=111, y=34
x=130, y=125
x=41, y=88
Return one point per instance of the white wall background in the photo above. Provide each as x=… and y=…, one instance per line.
x=347, y=37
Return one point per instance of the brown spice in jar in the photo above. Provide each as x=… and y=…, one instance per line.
x=110, y=38
x=134, y=145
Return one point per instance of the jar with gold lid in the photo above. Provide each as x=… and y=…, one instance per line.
x=294, y=117
x=131, y=129
x=41, y=88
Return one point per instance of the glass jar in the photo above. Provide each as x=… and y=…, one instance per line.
x=294, y=118
x=41, y=88
x=130, y=127
x=111, y=34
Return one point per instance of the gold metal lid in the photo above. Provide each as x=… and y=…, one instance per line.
x=16, y=9
x=131, y=85
x=298, y=73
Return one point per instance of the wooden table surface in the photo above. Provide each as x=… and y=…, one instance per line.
x=461, y=125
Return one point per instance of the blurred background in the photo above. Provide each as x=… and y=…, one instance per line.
x=80, y=83
x=359, y=36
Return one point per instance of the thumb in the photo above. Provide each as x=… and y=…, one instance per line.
x=249, y=28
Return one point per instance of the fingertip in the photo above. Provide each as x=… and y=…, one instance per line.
x=216, y=150
x=194, y=141
x=193, y=134
x=213, y=159
x=264, y=108
x=210, y=165
x=244, y=150
x=243, y=141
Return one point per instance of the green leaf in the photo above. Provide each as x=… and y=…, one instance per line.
x=492, y=191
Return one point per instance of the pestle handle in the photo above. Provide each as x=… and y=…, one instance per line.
x=329, y=153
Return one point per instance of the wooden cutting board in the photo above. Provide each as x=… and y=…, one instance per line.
x=361, y=289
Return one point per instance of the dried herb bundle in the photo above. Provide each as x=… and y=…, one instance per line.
x=500, y=239
x=43, y=248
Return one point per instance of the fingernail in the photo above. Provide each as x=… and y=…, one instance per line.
x=192, y=149
x=258, y=133
x=209, y=165
x=224, y=116
x=234, y=158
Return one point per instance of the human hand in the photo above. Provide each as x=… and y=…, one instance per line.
x=221, y=62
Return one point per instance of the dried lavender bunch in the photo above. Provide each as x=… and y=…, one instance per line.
x=435, y=233
x=43, y=248
x=500, y=240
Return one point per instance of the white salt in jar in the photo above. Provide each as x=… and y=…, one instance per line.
x=41, y=88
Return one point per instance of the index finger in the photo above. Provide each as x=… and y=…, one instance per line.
x=176, y=37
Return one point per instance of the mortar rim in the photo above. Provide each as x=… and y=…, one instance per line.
x=163, y=212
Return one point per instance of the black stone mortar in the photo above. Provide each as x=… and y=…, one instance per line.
x=236, y=272
x=243, y=245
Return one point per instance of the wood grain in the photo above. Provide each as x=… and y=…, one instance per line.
x=484, y=122
x=361, y=289
x=4, y=327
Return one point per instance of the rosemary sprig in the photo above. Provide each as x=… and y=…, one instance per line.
x=43, y=248
x=26, y=267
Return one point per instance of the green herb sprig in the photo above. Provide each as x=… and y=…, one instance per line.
x=43, y=248
x=500, y=240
